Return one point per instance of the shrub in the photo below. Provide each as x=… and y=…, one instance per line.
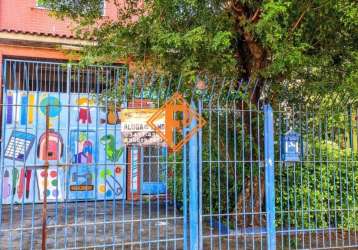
x=321, y=191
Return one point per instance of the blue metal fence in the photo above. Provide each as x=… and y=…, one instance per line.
x=254, y=177
x=316, y=188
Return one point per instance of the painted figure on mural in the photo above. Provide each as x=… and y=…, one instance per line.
x=111, y=185
x=84, y=112
x=20, y=186
x=54, y=149
x=84, y=149
x=109, y=142
x=54, y=107
x=28, y=175
x=112, y=116
x=19, y=145
x=15, y=177
x=6, y=187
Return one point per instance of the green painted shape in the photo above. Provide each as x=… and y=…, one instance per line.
x=105, y=172
x=54, y=183
x=112, y=154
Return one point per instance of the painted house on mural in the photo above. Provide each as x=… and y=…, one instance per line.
x=42, y=91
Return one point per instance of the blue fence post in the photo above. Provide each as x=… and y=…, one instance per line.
x=193, y=188
x=269, y=177
x=200, y=148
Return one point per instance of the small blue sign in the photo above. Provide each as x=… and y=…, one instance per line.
x=291, y=147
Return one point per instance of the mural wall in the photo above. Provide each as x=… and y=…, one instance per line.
x=84, y=148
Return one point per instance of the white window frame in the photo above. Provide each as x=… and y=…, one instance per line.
x=38, y=6
x=46, y=8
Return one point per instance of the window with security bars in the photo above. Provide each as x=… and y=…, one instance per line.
x=153, y=164
x=58, y=77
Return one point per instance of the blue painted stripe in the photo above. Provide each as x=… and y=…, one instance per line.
x=9, y=103
x=24, y=104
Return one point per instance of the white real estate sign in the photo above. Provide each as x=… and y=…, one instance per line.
x=135, y=130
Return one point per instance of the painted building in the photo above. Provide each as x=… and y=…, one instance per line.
x=27, y=30
x=42, y=92
x=85, y=155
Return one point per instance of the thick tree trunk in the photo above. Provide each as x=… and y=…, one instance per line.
x=252, y=58
x=250, y=202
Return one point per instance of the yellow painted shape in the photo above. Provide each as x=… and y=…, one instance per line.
x=102, y=188
x=31, y=108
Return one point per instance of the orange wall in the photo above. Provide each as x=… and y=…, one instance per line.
x=34, y=52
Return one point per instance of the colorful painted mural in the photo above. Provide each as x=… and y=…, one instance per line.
x=84, y=149
x=81, y=174
x=19, y=184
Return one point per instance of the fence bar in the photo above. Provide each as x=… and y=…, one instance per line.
x=200, y=148
x=193, y=187
x=44, y=205
x=185, y=207
x=269, y=178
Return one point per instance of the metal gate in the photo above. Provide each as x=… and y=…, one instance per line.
x=232, y=170
x=251, y=178
x=64, y=166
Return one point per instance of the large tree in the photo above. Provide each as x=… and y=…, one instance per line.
x=309, y=44
x=305, y=50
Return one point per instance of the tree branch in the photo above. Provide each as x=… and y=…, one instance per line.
x=297, y=23
x=239, y=11
x=256, y=16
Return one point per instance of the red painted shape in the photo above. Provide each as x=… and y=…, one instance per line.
x=53, y=174
x=43, y=173
x=28, y=180
x=118, y=170
x=20, y=187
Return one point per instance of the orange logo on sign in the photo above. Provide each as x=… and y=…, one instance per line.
x=178, y=115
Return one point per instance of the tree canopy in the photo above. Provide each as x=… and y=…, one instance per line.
x=309, y=46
